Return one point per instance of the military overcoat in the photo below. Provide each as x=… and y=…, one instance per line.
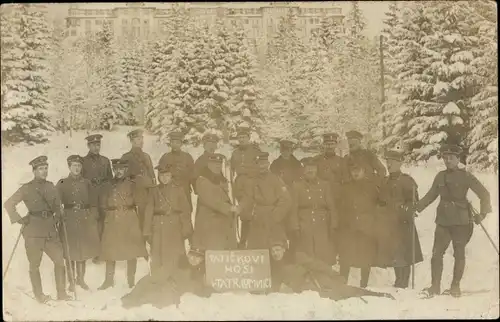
x=167, y=222
x=80, y=218
x=215, y=224
x=122, y=237
x=314, y=216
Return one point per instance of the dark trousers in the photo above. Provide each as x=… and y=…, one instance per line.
x=402, y=276
x=35, y=247
x=365, y=273
x=459, y=236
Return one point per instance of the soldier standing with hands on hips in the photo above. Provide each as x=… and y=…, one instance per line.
x=97, y=169
x=454, y=220
x=39, y=227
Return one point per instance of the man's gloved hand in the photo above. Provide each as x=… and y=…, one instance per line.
x=478, y=218
x=24, y=221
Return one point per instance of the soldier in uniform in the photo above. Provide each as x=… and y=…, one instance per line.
x=122, y=238
x=313, y=214
x=81, y=219
x=301, y=272
x=357, y=233
x=367, y=159
x=140, y=169
x=215, y=223
x=454, y=219
x=286, y=165
x=332, y=169
x=399, y=245
x=39, y=227
x=243, y=166
x=97, y=169
x=167, y=222
x=184, y=177
x=210, y=142
x=265, y=204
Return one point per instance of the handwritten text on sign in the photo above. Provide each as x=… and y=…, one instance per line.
x=238, y=269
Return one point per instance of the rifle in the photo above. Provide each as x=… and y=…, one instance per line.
x=64, y=240
x=231, y=197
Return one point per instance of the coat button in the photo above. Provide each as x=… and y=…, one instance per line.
x=309, y=197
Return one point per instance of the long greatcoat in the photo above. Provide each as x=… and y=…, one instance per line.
x=185, y=176
x=357, y=230
x=395, y=226
x=167, y=221
x=81, y=224
x=122, y=237
x=314, y=215
x=215, y=224
x=265, y=204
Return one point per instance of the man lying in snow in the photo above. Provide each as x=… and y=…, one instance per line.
x=161, y=291
x=301, y=272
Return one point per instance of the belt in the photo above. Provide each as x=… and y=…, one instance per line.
x=98, y=181
x=76, y=206
x=42, y=214
x=164, y=213
x=120, y=208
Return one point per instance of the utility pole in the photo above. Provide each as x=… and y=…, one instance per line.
x=382, y=83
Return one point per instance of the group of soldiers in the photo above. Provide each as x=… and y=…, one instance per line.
x=309, y=213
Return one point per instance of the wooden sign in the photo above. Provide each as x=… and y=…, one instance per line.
x=241, y=270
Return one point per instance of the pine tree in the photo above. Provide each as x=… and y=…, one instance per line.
x=483, y=137
x=356, y=23
x=25, y=83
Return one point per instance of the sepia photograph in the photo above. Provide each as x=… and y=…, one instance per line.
x=212, y=161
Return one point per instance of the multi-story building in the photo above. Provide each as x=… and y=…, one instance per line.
x=260, y=20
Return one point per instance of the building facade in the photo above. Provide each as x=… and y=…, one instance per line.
x=260, y=20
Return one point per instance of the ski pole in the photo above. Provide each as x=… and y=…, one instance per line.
x=66, y=246
x=485, y=231
x=13, y=251
x=413, y=229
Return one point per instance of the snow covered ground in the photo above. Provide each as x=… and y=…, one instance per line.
x=482, y=272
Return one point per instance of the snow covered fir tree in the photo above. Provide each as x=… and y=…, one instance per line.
x=25, y=75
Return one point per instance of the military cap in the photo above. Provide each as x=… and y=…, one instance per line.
x=135, y=133
x=279, y=242
x=119, y=163
x=308, y=161
x=75, y=158
x=394, y=155
x=38, y=161
x=216, y=157
x=209, y=137
x=330, y=137
x=168, y=167
x=263, y=156
x=450, y=149
x=287, y=144
x=93, y=138
x=354, y=135
x=176, y=136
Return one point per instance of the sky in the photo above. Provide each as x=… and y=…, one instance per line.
x=373, y=11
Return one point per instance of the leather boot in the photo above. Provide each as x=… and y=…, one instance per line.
x=436, y=274
x=344, y=272
x=60, y=277
x=36, y=284
x=365, y=275
x=71, y=278
x=458, y=273
x=397, y=274
x=131, y=268
x=80, y=279
x=405, y=276
x=110, y=276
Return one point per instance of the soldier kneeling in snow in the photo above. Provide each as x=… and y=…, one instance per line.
x=301, y=272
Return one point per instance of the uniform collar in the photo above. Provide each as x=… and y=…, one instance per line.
x=327, y=155
x=136, y=150
x=93, y=155
x=395, y=175
x=38, y=180
x=73, y=177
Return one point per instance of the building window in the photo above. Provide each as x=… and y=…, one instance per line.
x=146, y=22
x=246, y=21
x=311, y=20
x=88, y=24
x=73, y=32
x=135, y=22
x=98, y=22
x=88, y=12
x=124, y=22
